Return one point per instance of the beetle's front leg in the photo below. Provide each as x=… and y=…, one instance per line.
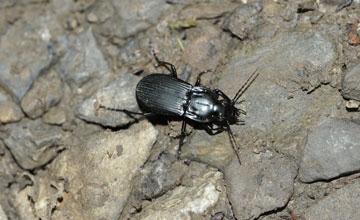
x=222, y=94
x=213, y=131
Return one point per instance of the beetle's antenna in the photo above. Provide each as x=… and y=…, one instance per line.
x=233, y=141
x=243, y=88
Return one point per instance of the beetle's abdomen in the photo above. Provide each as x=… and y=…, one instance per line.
x=162, y=94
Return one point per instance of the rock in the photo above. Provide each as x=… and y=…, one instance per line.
x=120, y=94
x=37, y=199
x=45, y=93
x=332, y=150
x=8, y=167
x=245, y=19
x=83, y=66
x=351, y=84
x=100, y=11
x=3, y=24
x=341, y=204
x=24, y=54
x=214, y=150
x=2, y=214
x=7, y=3
x=99, y=172
x=10, y=112
x=206, y=10
x=55, y=116
x=204, y=52
x=133, y=16
x=274, y=102
x=264, y=183
x=33, y=143
x=352, y=105
x=159, y=177
x=189, y=201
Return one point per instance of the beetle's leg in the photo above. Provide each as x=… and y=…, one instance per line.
x=172, y=68
x=199, y=75
x=182, y=135
x=222, y=94
x=213, y=131
x=127, y=111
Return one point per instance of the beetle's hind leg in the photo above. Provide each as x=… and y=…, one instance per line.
x=172, y=68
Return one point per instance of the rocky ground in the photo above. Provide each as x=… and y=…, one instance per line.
x=63, y=156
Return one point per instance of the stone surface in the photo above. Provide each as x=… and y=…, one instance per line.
x=261, y=184
x=277, y=102
x=120, y=94
x=341, y=204
x=213, y=150
x=99, y=172
x=187, y=202
x=204, y=52
x=8, y=167
x=2, y=214
x=351, y=84
x=33, y=143
x=159, y=177
x=332, y=150
x=38, y=198
x=55, y=116
x=10, y=112
x=45, y=93
x=245, y=19
x=100, y=11
x=83, y=65
x=207, y=10
x=134, y=16
x=24, y=53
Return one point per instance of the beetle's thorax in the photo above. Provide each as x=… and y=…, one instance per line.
x=203, y=106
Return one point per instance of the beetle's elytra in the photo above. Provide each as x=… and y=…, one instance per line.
x=161, y=94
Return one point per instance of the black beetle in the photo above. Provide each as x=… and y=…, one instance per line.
x=161, y=94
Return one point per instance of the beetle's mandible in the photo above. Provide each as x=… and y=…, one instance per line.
x=161, y=94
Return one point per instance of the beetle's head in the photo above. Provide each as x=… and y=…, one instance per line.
x=226, y=111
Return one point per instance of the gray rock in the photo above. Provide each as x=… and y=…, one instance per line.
x=24, y=54
x=100, y=11
x=207, y=10
x=341, y=204
x=33, y=143
x=99, y=172
x=188, y=201
x=120, y=94
x=45, y=93
x=2, y=214
x=39, y=197
x=205, y=52
x=332, y=149
x=213, y=150
x=274, y=102
x=159, y=177
x=7, y=3
x=8, y=167
x=351, y=84
x=134, y=16
x=262, y=183
x=10, y=112
x=245, y=20
x=55, y=116
x=83, y=66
